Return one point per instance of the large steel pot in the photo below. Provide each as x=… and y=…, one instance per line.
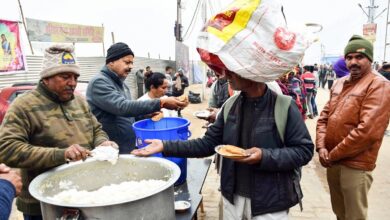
x=91, y=175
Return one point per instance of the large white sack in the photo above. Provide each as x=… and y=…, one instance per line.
x=250, y=38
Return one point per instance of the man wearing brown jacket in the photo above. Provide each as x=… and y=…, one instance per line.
x=350, y=131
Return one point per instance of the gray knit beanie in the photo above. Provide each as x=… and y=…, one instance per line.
x=59, y=59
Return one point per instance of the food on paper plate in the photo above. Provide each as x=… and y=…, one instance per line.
x=230, y=150
x=158, y=116
x=183, y=98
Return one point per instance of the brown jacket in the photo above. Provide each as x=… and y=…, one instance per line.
x=352, y=124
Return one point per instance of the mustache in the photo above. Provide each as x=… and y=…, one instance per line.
x=354, y=66
x=70, y=88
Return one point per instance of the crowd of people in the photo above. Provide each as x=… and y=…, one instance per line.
x=177, y=82
x=255, y=116
x=302, y=84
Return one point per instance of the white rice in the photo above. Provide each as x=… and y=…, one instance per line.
x=108, y=194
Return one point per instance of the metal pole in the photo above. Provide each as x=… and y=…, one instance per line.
x=113, y=37
x=25, y=28
x=387, y=23
x=104, y=49
x=204, y=69
x=178, y=22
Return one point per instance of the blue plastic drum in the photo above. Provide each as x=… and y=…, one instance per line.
x=169, y=128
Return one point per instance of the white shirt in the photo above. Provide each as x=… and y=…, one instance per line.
x=166, y=112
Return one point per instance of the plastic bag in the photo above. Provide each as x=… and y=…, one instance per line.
x=250, y=38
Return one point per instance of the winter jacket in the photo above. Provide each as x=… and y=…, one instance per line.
x=219, y=94
x=309, y=81
x=274, y=184
x=184, y=83
x=352, y=124
x=110, y=101
x=37, y=129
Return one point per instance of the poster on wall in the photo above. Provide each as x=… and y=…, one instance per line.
x=11, y=55
x=48, y=31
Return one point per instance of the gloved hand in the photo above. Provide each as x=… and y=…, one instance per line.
x=109, y=144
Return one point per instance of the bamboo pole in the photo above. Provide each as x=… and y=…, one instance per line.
x=25, y=28
x=104, y=49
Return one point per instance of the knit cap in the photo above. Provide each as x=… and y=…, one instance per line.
x=57, y=59
x=358, y=44
x=117, y=51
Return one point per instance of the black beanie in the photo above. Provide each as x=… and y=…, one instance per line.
x=117, y=51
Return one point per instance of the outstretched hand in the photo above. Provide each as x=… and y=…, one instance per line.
x=155, y=146
x=172, y=103
x=213, y=114
x=255, y=155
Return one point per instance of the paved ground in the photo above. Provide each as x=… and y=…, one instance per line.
x=316, y=201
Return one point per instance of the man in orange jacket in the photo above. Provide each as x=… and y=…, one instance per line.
x=350, y=131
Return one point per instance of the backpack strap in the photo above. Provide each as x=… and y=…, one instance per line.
x=228, y=105
x=281, y=113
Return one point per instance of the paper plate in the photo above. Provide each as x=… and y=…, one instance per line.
x=202, y=114
x=227, y=155
x=181, y=206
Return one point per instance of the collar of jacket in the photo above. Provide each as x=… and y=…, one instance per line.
x=222, y=81
x=349, y=81
x=112, y=75
x=42, y=88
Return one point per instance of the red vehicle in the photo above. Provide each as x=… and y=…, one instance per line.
x=8, y=94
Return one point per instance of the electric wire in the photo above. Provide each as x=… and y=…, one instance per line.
x=191, y=26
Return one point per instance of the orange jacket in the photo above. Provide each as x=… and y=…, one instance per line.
x=352, y=124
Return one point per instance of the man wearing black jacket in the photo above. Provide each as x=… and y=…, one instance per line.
x=180, y=83
x=264, y=184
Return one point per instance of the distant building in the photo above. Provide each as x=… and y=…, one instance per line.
x=330, y=59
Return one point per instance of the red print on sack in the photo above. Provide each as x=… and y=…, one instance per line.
x=222, y=20
x=284, y=39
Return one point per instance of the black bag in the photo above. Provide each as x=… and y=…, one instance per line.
x=194, y=97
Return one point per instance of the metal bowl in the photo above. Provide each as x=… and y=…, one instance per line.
x=91, y=175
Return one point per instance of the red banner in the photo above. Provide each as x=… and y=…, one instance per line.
x=11, y=56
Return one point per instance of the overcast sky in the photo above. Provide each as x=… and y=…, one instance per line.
x=147, y=25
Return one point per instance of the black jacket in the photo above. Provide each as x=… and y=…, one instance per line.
x=219, y=94
x=110, y=101
x=184, y=84
x=275, y=186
